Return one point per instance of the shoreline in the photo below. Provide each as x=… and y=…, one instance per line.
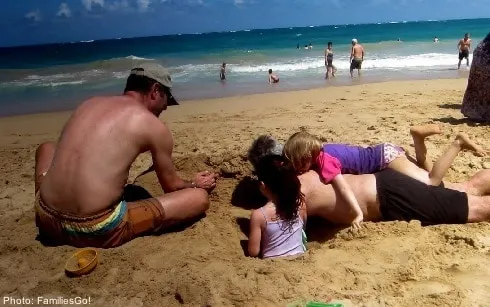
x=284, y=87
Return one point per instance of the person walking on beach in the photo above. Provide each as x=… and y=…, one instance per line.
x=329, y=61
x=222, y=72
x=356, y=57
x=273, y=78
x=464, y=46
x=82, y=198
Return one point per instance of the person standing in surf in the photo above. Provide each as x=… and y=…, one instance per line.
x=464, y=46
x=356, y=57
x=329, y=61
x=222, y=72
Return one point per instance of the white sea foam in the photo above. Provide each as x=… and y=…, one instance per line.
x=133, y=57
x=89, y=41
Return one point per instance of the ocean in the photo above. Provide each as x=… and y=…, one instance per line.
x=57, y=77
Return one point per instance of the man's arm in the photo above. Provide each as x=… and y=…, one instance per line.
x=459, y=45
x=362, y=48
x=161, y=147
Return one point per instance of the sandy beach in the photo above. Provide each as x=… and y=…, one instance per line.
x=387, y=264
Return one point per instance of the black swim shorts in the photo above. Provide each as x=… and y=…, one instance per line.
x=355, y=64
x=403, y=198
x=464, y=54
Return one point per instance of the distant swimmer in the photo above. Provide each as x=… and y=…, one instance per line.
x=222, y=72
x=306, y=47
x=356, y=57
x=398, y=40
x=310, y=46
x=464, y=46
x=273, y=78
x=329, y=61
x=297, y=46
x=436, y=40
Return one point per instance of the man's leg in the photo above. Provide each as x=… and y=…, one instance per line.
x=153, y=215
x=459, y=63
x=44, y=157
x=468, y=61
x=478, y=184
x=478, y=209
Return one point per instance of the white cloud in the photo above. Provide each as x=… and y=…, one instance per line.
x=143, y=5
x=34, y=15
x=64, y=11
x=238, y=2
x=88, y=4
x=118, y=5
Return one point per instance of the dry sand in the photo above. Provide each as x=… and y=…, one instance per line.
x=388, y=264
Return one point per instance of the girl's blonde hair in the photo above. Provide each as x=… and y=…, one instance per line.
x=302, y=149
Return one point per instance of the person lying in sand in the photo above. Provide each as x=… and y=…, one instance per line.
x=80, y=182
x=387, y=195
x=305, y=152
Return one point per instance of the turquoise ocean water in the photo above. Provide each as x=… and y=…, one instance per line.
x=58, y=76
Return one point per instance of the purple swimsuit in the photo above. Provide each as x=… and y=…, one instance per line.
x=363, y=160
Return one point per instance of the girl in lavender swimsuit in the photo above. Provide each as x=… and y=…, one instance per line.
x=277, y=229
x=306, y=152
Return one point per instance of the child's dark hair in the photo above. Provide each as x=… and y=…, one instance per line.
x=270, y=71
x=281, y=179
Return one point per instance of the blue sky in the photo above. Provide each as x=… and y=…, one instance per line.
x=44, y=21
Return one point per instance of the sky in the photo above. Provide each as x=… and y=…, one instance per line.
x=26, y=22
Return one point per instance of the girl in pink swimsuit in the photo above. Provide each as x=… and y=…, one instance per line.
x=277, y=229
x=305, y=152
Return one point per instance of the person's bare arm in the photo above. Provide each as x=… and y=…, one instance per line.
x=362, y=49
x=459, y=45
x=255, y=235
x=351, y=53
x=345, y=191
x=161, y=146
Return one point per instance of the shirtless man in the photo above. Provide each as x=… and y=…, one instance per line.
x=464, y=46
x=389, y=195
x=80, y=182
x=356, y=57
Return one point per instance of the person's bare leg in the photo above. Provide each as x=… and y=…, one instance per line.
x=445, y=160
x=478, y=209
x=44, y=157
x=419, y=133
x=478, y=184
x=184, y=205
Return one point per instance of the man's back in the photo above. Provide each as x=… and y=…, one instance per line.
x=95, y=151
x=321, y=199
x=358, y=51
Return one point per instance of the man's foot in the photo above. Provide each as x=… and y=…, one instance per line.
x=425, y=130
x=465, y=143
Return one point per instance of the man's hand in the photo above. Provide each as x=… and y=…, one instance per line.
x=205, y=180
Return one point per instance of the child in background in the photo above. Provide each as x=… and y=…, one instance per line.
x=273, y=78
x=306, y=152
x=277, y=228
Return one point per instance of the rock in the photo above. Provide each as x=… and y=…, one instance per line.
x=486, y=165
x=476, y=100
